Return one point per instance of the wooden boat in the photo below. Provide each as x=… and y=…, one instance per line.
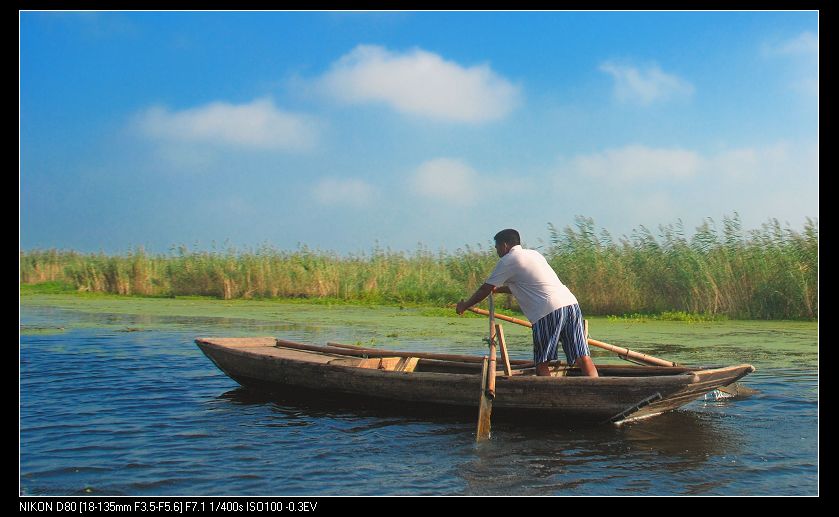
x=620, y=394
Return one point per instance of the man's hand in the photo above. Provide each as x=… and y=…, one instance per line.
x=482, y=292
x=461, y=307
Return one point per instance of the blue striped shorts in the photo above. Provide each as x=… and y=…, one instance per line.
x=566, y=325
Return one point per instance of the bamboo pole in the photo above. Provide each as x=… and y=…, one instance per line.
x=487, y=381
x=499, y=331
x=623, y=353
x=492, y=358
x=501, y=317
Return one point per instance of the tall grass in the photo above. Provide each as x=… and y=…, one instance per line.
x=380, y=276
x=768, y=273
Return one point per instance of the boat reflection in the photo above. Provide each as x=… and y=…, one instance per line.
x=544, y=459
x=629, y=459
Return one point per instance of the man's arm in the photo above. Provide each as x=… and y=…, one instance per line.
x=476, y=298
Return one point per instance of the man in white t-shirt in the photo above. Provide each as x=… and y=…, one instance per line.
x=543, y=298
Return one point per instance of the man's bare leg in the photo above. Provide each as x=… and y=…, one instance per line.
x=586, y=365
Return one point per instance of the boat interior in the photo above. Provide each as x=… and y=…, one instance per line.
x=557, y=368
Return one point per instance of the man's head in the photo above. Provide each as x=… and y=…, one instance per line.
x=505, y=240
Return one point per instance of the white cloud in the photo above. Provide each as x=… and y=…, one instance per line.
x=420, y=83
x=645, y=86
x=650, y=205
x=633, y=185
x=737, y=164
x=341, y=191
x=257, y=125
x=449, y=180
x=801, y=54
x=637, y=163
x=807, y=85
x=768, y=167
x=645, y=165
x=805, y=43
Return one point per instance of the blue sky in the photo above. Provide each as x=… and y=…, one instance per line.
x=344, y=131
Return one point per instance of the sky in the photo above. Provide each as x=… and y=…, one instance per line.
x=349, y=131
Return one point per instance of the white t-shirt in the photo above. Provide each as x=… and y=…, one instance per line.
x=532, y=281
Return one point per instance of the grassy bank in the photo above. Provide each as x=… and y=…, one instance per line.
x=768, y=273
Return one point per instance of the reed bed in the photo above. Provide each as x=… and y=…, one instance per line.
x=767, y=273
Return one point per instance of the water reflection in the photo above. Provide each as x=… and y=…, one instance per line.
x=528, y=458
x=604, y=459
x=322, y=405
x=690, y=435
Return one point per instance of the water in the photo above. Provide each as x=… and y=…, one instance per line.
x=122, y=404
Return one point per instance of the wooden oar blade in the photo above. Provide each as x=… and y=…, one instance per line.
x=484, y=407
x=484, y=417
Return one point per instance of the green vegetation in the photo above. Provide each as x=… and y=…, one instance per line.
x=775, y=344
x=769, y=273
x=682, y=316
x=49, y=287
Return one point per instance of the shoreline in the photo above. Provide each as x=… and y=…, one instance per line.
x=425, y=310
x=394, y=327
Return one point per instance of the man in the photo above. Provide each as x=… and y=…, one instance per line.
x=545, y=300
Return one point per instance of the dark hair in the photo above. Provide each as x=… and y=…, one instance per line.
x=508, y=236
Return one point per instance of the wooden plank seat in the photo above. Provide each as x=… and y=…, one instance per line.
x=391, y=364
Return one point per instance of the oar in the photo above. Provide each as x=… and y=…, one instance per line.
x=484, y=407
x=623, y=353
x=492, y=358
x=487, y=381
x=734, y=389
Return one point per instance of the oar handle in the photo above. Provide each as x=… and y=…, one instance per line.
x=622, y=352
x=629, y=354
x=501, y=317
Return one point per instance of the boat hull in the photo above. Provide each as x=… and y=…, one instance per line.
x=260, y=363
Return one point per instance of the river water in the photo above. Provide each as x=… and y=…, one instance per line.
x=126, y=404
